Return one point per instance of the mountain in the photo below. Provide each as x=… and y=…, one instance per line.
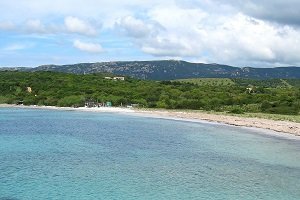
x=170, y=70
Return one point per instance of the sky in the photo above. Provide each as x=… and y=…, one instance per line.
x=257, y=33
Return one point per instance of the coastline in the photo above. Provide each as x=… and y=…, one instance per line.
x=281, y=128
x=278, y=128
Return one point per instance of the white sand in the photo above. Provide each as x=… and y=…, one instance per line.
x=101, y=109
x=281, y=127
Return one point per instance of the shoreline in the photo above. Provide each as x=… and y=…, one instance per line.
x=273, y=129
x=280, y=128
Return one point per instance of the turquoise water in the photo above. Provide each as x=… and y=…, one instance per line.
x=77, y=155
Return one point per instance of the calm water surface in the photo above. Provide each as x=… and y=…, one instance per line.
x=77, y=155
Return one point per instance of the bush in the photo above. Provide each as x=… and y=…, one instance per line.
x=265, y=105
x=4, y=99
x=284, y=110
x=71, y=101
x=236, y=111
x=280, y=107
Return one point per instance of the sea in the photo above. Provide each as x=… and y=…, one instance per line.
x=51, y=154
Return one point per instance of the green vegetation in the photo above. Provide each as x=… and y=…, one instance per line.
x=269, y=83
x=293, y=118
x=237, y=111
x=234, y=96
x=208, y=81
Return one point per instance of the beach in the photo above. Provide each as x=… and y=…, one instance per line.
x=281, y=127
x=284, y=127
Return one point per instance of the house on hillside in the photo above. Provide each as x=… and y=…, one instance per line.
x=116, y=78
x=29, y=89
x=121, y=78
x=250, y=89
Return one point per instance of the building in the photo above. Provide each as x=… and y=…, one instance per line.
x=29, y=89
x=90, y=104
x=121, y=78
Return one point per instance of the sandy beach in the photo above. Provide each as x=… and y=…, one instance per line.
x=267, y=124
x=282, y=127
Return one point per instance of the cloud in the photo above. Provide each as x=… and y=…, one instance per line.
x=35, y=26
x=71, y=25
x=166, y=31
x=15, y=47
x=88, y=47
x=133, y=27
x=6, y=25
x=236, y=32
x=279, y=11
x=75, y=25
x=193, y=33
x=166, y=47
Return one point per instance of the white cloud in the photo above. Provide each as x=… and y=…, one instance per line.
x=166, y=31
x=231, y=32
x=179, y=33
x=15, y=47
x=71, y=25
x=234, y=39
x=35, y=26
x=133, y=27
x=88, y=47
x=75, y=25
x=6, y=25
x=243, y=39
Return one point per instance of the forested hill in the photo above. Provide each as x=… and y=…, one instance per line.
x=170, y=70
x=277, y=96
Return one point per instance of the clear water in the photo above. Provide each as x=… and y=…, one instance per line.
x=77, y=155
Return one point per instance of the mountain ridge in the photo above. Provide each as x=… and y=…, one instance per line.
x=168, y=70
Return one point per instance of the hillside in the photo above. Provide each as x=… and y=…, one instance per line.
x=277, y=96
x=170, y=70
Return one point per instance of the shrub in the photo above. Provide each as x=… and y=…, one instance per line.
x=236, y=111
x=71, y=101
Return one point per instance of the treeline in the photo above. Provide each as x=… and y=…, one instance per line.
x=60, y=89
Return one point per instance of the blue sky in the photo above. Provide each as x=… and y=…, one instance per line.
x=260, y=33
